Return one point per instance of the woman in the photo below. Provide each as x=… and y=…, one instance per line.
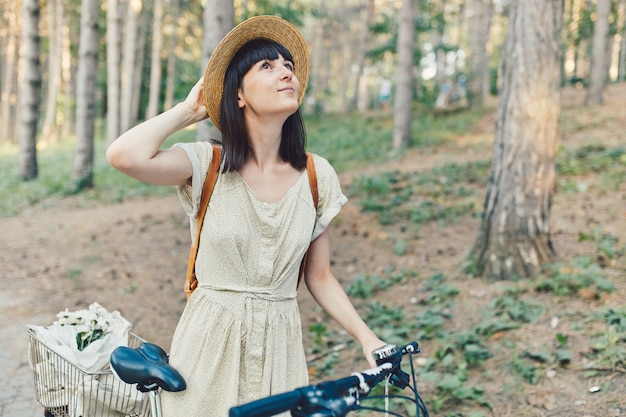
x=239, y=337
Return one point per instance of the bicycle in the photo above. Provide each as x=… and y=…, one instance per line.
x=146, y=366
x=338, y=397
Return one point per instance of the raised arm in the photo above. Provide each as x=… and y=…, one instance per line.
x=138, y=154
x=333, y=299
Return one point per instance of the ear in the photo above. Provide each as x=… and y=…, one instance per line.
x=240, y=100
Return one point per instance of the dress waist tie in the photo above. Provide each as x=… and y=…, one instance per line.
x=256, y=319
x=261, y=293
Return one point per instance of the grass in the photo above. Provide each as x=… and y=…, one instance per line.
x=54, y=181
x=348, y=141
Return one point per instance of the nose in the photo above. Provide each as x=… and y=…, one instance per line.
x=286, y=73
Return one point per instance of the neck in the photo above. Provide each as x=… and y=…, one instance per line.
x=265, y=135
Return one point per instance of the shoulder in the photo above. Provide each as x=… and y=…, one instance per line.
x=202, y=149
x=200, y=154
x=323, y=168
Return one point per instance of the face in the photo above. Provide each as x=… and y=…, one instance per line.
x=269, y=89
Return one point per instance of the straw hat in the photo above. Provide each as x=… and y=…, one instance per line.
x=261, y=27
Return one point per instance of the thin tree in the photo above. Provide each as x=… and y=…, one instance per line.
x=621, y=66
x=68, y=68
x=114, y=58
x=218, y=20
x=345, y=49
x=318, y=82
x=481, y=12
x=9, y=65
x=403, y=103
x=129, y=62
x=170, y=82
x=30, y=91
x=599, y=56
x=155, y=60
x=55, y=25
x=514, y=239
x=82, y=174
x=143, y=23
x=360, y=100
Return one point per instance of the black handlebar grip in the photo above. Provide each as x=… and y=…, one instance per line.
x=270, y=406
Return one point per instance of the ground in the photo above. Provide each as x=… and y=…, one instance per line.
x=132, y=256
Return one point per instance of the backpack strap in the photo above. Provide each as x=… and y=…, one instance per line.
x=191, y=281
x=310, y=168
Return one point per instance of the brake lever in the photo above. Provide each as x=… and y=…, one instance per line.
x=391, y=353
x=400, y=379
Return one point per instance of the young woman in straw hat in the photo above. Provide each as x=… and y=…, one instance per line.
x=240, y=337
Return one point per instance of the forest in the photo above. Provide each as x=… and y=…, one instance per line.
x=68, y=65
x=481, y=144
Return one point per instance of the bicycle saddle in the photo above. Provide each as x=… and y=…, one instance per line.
x=147, y=366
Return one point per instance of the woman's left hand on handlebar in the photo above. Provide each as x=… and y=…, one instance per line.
x=369, y=346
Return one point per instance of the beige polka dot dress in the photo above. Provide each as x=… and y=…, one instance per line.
x=240, y=336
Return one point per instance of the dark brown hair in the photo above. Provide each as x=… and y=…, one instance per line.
x=234, y=133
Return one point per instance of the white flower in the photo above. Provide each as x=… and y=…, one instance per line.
x=90, y=325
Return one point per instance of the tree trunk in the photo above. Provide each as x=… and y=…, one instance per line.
x=597, y=74
x=621, y=66
x=30, y=92
x=568, y=61
x=514, y=239
x=345, y=49
x=439, y=43
x=171, y=55
x=114, y=59
x=218, y=20
x=140, y=52
x=359, y=95
x=68, y=115
x=479, y=29
x=55, y=19
x=82, y=175
x=318, y=82
x=9, y=82
x=128, y=64
x=403, y=104
x=361, y=101
x=155, y=60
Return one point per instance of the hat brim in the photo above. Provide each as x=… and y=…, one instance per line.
x=260, y=27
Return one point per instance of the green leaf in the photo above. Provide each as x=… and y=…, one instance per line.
x=563, y=356
x=450, y=383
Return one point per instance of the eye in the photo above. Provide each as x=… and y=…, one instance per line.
x=265, y=65
x=289, y=66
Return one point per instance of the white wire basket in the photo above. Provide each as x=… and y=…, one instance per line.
x=66, y=390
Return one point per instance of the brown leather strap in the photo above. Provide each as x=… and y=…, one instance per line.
x=207, y=190
x=310, y=168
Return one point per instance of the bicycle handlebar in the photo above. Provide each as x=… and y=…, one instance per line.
x=269, y=406
x=337, y=394
x=276, y=404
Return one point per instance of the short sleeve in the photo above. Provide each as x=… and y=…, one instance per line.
x=200, y=154
x=331, y=198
